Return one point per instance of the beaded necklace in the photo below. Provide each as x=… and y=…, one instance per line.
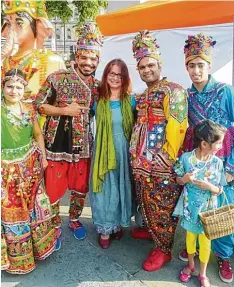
x=24, y=117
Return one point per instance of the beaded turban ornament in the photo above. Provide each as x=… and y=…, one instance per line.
x=89, y=39
x=143, y=45
x=199, y=46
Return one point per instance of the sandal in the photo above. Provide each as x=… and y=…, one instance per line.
x=117, y=235
x=104, y=242
x=202, y=278
x=184, y=277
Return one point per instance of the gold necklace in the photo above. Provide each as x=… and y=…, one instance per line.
x=19, y=56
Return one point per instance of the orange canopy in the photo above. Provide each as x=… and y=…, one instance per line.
x=158, y=15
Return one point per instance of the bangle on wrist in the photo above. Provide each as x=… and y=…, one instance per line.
x=220, y=190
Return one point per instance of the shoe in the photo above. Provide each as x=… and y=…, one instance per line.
x=184, y=277
x=225, y=270
x=183, y=255
x=117, y=235
x=202, y=278
x=156, y=260
x=58, y=244
x=141, y=233
x=104, y=243
x=79, y=231
x=59, y=239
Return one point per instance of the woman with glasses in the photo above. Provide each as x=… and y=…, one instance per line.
x=110, y=178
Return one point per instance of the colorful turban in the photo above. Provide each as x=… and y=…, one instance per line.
x=143, y=45
x=89, y=39
x=199, y=46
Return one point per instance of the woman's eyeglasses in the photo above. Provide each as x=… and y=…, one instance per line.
x=113, y=75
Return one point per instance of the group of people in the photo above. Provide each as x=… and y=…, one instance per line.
x=157, y=148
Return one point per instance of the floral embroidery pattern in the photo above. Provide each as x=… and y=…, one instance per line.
x=178, y=109
x=149, y=133
x=61, y=89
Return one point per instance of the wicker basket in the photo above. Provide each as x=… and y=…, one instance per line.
x=218, y=222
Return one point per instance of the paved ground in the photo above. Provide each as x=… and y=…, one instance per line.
x=85, y=264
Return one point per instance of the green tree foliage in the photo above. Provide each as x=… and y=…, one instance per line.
x=86, y=9
x=59, y=9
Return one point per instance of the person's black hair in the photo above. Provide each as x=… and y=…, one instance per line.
x=207, y=131
x=14, y=72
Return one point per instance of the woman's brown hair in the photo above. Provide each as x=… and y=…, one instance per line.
x=126, y=82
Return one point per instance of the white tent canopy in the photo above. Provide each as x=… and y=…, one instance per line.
x=171, y=46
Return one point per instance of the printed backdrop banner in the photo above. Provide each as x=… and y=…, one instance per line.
x=171, y=46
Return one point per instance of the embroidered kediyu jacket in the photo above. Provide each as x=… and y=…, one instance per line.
x=215, y=102
x=160, y=129
x=68, y=138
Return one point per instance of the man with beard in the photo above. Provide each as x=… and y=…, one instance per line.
x=157, y=137
x=66, y=98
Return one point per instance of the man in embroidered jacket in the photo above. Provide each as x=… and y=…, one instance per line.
x=66, y=98
x=156, y=140
x=211, y=100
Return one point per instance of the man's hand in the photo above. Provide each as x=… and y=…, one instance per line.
x=73, y=110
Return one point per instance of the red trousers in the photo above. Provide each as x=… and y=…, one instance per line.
x=60, y=176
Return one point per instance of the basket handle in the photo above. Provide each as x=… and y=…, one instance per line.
x=225, y=198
